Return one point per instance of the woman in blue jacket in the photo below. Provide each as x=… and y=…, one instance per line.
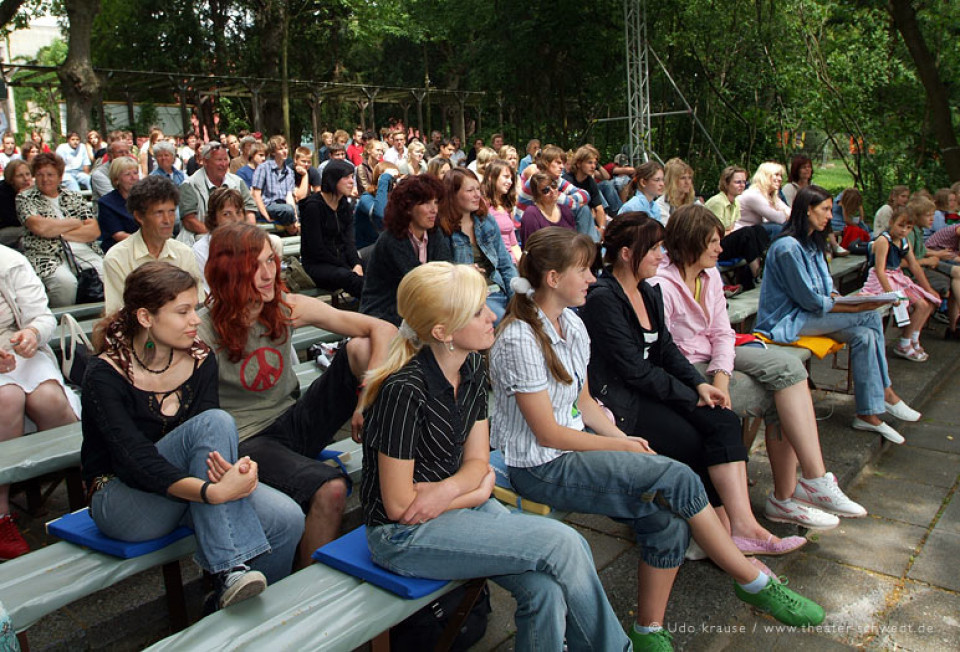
x=475, y=237
x=797, y=298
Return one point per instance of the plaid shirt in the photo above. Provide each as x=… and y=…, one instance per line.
x=273, y=181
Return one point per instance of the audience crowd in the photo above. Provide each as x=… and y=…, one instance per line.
x=597, y=292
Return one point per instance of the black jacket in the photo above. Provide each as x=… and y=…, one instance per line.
x=623, y=364
x=390, y=260
x=327, y=236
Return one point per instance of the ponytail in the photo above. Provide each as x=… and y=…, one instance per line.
x=551, y=248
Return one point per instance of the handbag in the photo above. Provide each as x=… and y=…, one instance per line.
x=89, y=283
x=295, y=276
x=75, y=348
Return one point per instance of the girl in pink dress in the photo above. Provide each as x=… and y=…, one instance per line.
x=890, y=249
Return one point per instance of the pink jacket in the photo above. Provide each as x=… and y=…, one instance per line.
x=703, y=335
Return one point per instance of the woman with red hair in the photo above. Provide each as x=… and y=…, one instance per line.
x=410, y=238
x=249, y=323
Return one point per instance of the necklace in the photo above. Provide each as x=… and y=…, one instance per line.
x=143, y=365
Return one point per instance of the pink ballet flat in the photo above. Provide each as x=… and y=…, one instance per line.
x=769, y=547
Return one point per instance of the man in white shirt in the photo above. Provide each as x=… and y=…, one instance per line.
x=9, y=152
x=76, y=173
x=398, y=151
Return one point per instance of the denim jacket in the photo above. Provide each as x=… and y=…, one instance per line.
x=796, y=285
x=487, y=233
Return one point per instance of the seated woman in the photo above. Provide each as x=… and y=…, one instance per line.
x=327, y=245
x=641, y=193
x=30, y=381
x=54, y=219
x=427, y=480
x=550, y=161
x=116, y=222
x=756, y=382
x=438, y=167
x=250, y=321
x=544, y=406
x=410, y=238
x=166, y=157
x=797, y=298
x=368, y=219
x=475, y=237
x=413, y=163
x=16, y=179
x=500, y=192
x=639, y=373
x=678, y=188
x=157, y=453
x=760, y=204
x=545, y=210
x=748, y=243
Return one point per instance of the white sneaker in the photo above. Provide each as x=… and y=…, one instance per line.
x=825, y=494
x=694, y=552
x=902, y=411
x=884, y=429
x=791, y=511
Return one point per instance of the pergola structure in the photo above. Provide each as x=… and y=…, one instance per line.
x=195, y=88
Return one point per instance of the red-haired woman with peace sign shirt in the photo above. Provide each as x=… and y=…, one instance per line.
x=249, y=322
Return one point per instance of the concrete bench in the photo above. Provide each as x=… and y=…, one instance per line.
x=79, y=310
x=317, y=608
x=52, y=577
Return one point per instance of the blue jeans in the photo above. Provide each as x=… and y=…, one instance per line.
x=652, y=494
x=586, y=223
x=265, y=527
x=282, y=214
x=772, y=228
x=546, y=565
x=497, y=302
x=863, y=333
x=611, y=197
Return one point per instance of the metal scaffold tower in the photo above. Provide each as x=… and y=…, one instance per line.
x=638, y=79
x=638, y=52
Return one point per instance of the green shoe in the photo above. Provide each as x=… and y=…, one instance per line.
x=787, y=606
x=660, y=641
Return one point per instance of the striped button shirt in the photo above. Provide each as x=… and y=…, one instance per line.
x=274, y=181
x=417, y=417
x=517, y=365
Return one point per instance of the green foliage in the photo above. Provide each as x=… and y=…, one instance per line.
x=33, y=104
x=831, y=70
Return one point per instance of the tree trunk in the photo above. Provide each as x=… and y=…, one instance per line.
x=268, y=19
x=905, y=19
x=80, y=83
x=285, y=71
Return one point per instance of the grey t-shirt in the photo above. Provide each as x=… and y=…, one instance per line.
x=259, y=387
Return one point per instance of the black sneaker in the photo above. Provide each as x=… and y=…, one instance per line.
x=238, y=584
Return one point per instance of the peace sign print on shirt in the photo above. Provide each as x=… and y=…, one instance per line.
x=262, y=369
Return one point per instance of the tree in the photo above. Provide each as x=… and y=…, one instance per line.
x=81, y=86
x=905, y=18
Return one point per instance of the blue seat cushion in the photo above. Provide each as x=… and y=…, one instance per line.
x=351, y=555
x=80, y=529
x=500, y=471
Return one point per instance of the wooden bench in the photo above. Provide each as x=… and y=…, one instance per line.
x=38, y=583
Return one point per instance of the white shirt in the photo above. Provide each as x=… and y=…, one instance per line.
x=517, y=365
